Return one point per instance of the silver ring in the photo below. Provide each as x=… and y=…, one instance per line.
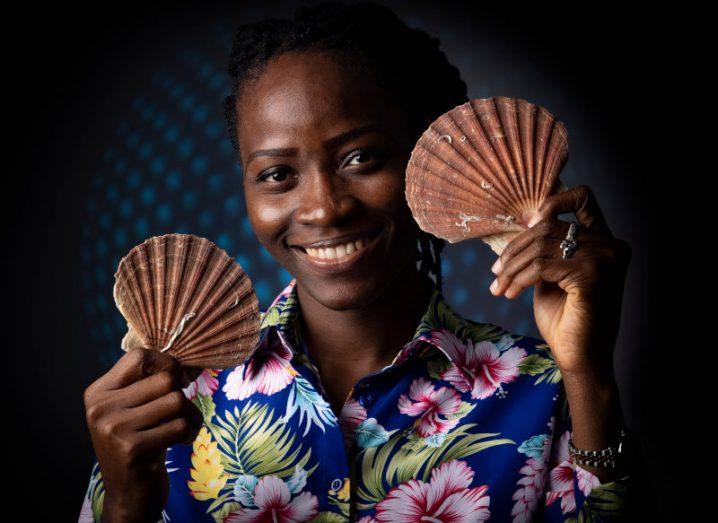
x=569, y=245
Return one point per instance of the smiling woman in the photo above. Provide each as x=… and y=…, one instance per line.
x=339, y=177
x=367, y=398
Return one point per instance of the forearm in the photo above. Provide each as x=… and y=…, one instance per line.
x=595, y=414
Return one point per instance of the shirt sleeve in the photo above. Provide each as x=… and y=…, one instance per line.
x=575, y=494
x=91, y=511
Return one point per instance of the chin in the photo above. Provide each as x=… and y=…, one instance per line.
x=344, y=292
x=355, y=280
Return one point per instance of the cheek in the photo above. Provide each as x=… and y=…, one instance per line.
x=388, y=194
x=269, y=214
x=268, y=218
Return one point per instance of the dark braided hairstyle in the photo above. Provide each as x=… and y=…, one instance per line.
x=407, y=62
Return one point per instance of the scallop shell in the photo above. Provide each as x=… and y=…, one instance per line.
x=482, y=169
x=183, y=295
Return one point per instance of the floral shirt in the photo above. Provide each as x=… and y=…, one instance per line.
x=468, y=423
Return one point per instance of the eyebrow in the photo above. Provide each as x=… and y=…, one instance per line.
x=332, y=142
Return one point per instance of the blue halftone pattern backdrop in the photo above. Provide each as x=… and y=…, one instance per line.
x=169, y=167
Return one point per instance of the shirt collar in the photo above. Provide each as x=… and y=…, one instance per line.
x=282, y=319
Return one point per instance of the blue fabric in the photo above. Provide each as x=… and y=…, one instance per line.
x=469, y=422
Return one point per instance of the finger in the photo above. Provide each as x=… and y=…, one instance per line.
x=550, y=228
x=177, y=430
x=137, y=364
x=579, y=200
x=539, y=248
x=145, y=390
x=163, y=409
x=189, y=374
x=540, y=269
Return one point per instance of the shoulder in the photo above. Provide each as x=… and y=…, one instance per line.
x=534, y=354
x=453, y=325
x=442, y=319
x=489, y=350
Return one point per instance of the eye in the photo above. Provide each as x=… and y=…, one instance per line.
x=363, y=156
x=273, y=176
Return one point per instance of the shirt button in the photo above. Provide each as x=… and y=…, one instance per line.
x=365, y=399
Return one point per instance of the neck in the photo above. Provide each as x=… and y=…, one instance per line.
x=349, y=344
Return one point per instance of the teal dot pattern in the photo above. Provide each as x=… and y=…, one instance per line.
x=169, y=167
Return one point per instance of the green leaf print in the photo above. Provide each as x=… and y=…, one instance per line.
x=255, y=442
x=535, y=364
x=477, y=332
x=330, y=517
x=542, y=366
x=382, y=467
x=205, y=404
x=224, y=511
x=605, y=502
x=96, y=492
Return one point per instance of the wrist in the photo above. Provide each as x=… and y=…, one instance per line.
x=589, y=376
x=591, y=395
x=594, y=383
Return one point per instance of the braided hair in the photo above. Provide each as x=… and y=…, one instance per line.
x=407, y=62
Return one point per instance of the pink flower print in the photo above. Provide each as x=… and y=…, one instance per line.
x=533, y=475
x=86, y=514
x=561, y=478
x=561, y=487
x=530, y=490
x=445, y=498
x=352, y=415
x=268, y=372
x=205, y=384
x=478, y=367
x=434, y=406
x=273, y=504
x=586, y=480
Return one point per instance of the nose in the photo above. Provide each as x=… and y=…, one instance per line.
x=325, y=200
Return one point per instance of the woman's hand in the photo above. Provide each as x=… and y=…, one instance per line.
x=134, y=412
x=577, y=301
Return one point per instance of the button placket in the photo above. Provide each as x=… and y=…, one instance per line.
x=363, y=394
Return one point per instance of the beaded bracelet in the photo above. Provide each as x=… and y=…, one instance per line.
x=609, y=457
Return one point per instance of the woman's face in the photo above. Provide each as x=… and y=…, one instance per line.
x=324, y=153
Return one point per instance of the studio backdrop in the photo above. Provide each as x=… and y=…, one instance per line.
x=133, y=144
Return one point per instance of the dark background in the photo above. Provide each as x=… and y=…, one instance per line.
x=117, y=135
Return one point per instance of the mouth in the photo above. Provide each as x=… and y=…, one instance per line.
x=341, y=254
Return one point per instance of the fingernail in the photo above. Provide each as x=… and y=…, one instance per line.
x=496, y=267
x=534, y=220
x=494, y=286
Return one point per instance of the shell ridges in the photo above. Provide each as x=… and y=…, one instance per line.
x=183, y=295
x=483, y=160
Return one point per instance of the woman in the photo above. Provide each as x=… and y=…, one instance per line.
x=367, y=397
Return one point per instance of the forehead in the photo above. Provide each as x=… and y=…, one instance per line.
x=301, y=96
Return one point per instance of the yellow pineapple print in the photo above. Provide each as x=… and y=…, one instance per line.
x=207, y=470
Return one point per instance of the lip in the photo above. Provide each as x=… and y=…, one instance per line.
x=338, y=240
x=333, y=265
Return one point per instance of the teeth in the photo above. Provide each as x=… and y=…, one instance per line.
x=337, y=251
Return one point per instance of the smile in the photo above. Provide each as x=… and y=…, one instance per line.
x=340, y=255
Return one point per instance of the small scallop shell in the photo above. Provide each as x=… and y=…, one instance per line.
x=183, y=295
x=482, y=169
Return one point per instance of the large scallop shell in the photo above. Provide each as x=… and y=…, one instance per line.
x=183, y=295
x=482, y=169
